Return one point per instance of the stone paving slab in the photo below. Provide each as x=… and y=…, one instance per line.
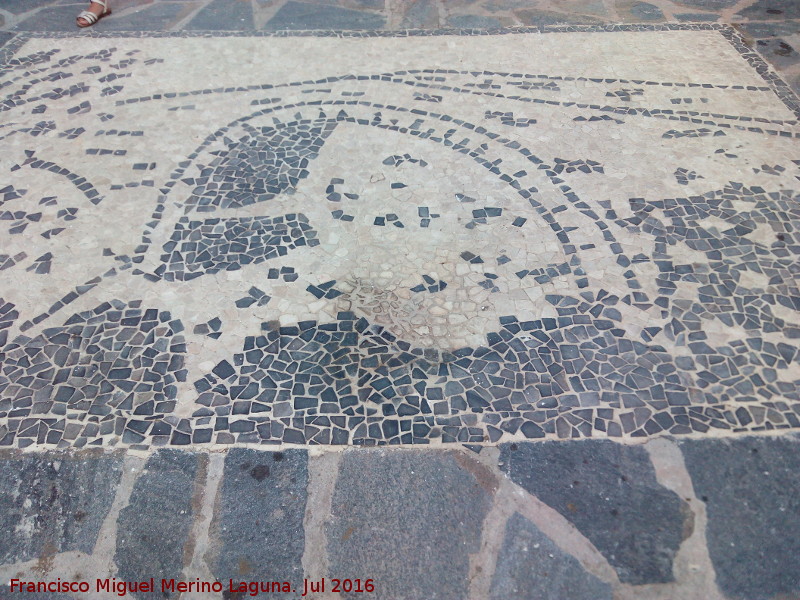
x=154, y=526
x=610, y=493
x=259, y=521
x=531, y=566
x=55, y=504
x=381, y=522
x=420, y=524
x=752, y=508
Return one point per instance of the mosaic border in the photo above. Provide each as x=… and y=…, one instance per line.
x=781, y=88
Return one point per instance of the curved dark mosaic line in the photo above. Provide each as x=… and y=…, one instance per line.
x=376, y=120
x=392, y=77
x=83, y=185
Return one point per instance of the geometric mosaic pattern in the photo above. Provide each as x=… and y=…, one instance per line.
x=496, y=243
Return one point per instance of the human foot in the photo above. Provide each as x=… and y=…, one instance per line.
x=97, y=10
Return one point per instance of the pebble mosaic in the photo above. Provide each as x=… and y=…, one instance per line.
x=477, y=239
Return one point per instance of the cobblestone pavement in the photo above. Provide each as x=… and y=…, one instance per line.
x=454, y=314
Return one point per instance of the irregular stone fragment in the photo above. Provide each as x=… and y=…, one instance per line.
x=530, y=566
x=54, y=503
x=414, y=539
x=153, y=528
x=610, y=493
x=259, y=518
x=752, y=495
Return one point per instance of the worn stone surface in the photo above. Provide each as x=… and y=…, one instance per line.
x=22, y=6
x=155, y=17
x=548, y=17
x=224, y=15
x=639, y=12
x=778, y=52
x=695, y=17
x=5, y=36
x=609, y=492
x=303, y=15
x=769, y=29
x=154, y=527
x=421, y=14
x=708, y=4
x=531, y=567
x=473, y=21
x=368, y=4
x=51, y=503
x=751, y=487
x=771, y=9
x=408, y=520
x=259, y=518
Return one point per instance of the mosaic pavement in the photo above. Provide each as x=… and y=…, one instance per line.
x=510, y=244
x=219, y=251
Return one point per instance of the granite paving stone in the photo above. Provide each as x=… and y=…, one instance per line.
x=473, y=21
x=223, y=15
x=778, y=52
x=634, y=11
x=408, y=520
x=610, y=493
x=541, y=17
x=158, y=16
x=421, y=14
x=531, y=567
x=752, y=494
x=305, y=15
x=53, y=18
x=770, y=29
x=368, y=4
x=708, y=4
x=54, y=503
x=154, y=527
x=22, y=6
x=695, y=17
x=259, y=518
x=771, y=9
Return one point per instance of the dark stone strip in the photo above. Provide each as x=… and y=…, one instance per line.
x=53, y=503
x=153, y=529
x=408, y=520
x=259, y=519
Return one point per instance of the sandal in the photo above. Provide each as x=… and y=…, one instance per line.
x=91, y=18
